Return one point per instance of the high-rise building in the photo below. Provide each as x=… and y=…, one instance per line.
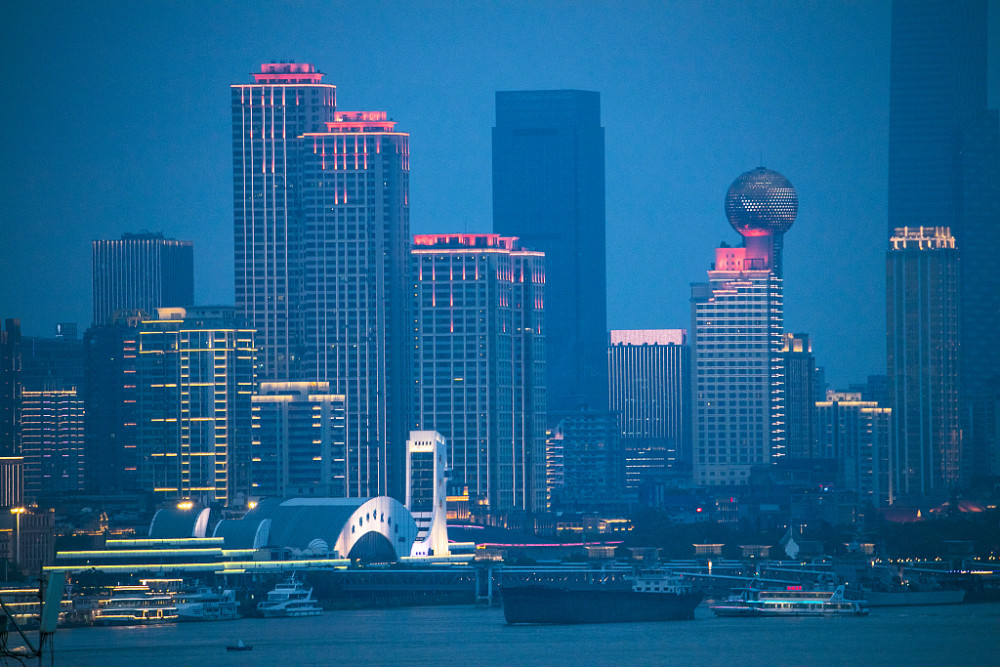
x=858, y=435
x=737, y=320
x=142, y=270
x=649, y=389
x=800, y=396
x=586, y=446
x=321, y=227
x=922, y=359
x=479, y=376
x=298, y=446
x=548, y=190
x=944, y=171
x=52, y=442
x=110, y=396
x=52, y=363
x=195, y=376
x=10, y=386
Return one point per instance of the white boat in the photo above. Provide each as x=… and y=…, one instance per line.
x=793, y=601
x=206, y=604
x=135, y=605
x=289, y=598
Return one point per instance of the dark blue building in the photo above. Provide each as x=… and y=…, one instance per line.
x=944, y=171
x=548, y=190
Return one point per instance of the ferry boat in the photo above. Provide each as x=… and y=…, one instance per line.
x=793, y=601
x=24, y=607
x=135, y=605
x=651, y=595
x=289, y=598
x=206, y=604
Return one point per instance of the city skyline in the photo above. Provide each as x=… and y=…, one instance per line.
x=682, y=122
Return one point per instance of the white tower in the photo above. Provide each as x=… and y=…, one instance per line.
x=426, y=492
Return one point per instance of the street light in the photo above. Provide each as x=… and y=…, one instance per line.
x=17, y=512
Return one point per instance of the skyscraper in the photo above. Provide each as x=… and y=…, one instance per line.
x=922, y=359
x=52, y=441
x=858, y=435
x=587, y=452
x=194, y=377
x=548, y=190
x=10, y=386
x=799, y=368
x=737, y=320
x=142, y=270
x=479, y=377
x=649, y=388
x=298, y=446
x=321, y=210
x=110, y=397
x=944, y=171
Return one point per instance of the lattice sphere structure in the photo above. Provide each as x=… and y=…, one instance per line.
x=761, y=202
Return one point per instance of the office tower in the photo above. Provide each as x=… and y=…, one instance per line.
x=52, y=442
x=649, y=388
x=298, y=443
x=142, y=270
x=587, y=446
x=427, y=492
x=922, y=358
x=10, y=386
x=52, y=363
x=11, y=481
x=799, y=367
x=479, y=376
x=321, y=222
x=548, y=190
x=737, y=320
x=858, y=435
x=194, y=376
x=110, y=396
x=944, y=171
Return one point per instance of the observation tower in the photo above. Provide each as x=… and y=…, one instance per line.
x=761, y=205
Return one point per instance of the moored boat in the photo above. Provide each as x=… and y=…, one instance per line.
x=135, y=605
x=206, y=604
x=289, y=598
x=652, y=595
x=792, y=601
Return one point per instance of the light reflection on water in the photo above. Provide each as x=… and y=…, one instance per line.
x=458, y=636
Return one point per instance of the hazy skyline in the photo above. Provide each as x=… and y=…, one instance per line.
x=118, y=120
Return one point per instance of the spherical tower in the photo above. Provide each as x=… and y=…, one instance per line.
x=761, y=205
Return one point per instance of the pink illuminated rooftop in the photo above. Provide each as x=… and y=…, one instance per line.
x=467, y=240
x=290, y=72
x=648, y=336
x=360, y=121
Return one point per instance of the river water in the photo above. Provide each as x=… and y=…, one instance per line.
x=463, y=635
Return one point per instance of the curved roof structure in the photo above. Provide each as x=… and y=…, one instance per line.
x=179, y=522
x=368, y=529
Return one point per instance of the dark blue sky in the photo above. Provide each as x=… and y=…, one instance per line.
x=116, y=118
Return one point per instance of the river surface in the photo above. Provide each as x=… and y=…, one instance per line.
x=463, y=635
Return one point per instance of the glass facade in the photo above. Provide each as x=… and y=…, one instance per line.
x=922, y=358
x=479, y=376
x=649, y=390
x=548, y=190
x=322, y=256
x=195, y=373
